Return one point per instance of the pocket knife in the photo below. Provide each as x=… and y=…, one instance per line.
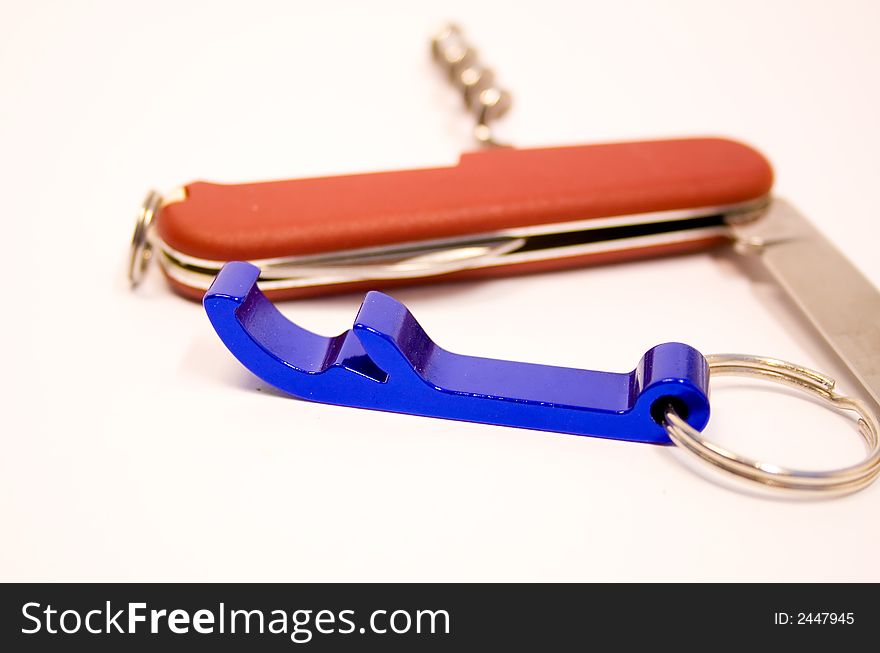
x=497, y=212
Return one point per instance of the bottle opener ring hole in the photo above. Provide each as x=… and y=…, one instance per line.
x=663, y=404
x=818, y=386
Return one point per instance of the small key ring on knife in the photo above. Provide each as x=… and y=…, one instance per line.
x=141, y=250
x=839, y=481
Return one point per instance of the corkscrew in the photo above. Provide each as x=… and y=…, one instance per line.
x=482, y=96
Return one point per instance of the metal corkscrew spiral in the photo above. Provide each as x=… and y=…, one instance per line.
x=482, y=97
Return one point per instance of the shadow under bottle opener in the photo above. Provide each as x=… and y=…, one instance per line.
x=505, y=211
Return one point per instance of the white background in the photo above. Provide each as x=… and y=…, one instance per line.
x=134, y=447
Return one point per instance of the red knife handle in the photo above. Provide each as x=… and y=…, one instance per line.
x=487, y=191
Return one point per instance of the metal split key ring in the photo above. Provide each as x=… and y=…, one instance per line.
x=845, y=479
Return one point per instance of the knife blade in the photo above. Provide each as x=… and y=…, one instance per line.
x=840, y=302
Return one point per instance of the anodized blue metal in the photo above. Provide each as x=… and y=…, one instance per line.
x=387, y=362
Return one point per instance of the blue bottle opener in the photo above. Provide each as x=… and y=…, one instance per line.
x=387, y=362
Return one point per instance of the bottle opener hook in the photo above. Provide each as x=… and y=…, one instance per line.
x=387, y=362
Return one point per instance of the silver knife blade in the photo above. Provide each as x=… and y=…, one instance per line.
x=842, y=304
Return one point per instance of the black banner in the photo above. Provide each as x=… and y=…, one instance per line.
x=391, y=617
